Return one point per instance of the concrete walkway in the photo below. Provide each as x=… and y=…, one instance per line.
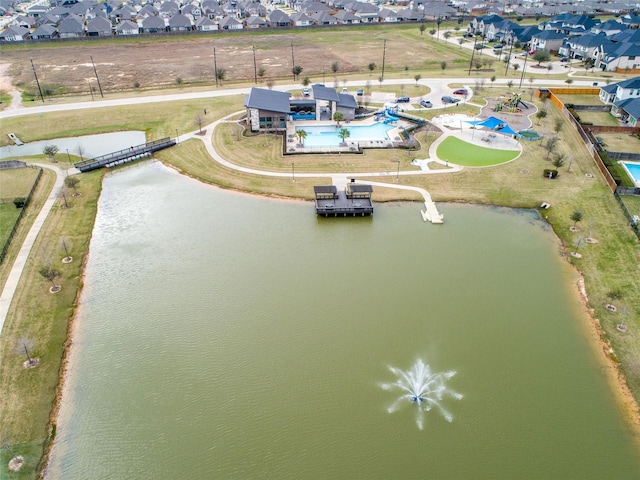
x=18, y=266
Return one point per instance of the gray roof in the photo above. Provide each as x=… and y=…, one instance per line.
x=631, y=106
x=347, y=101
x=320, y=92
x=99, y=24
x=270, y=100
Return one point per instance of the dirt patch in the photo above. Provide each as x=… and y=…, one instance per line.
x=65, y=67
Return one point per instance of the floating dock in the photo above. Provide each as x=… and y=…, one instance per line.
x=354, y=201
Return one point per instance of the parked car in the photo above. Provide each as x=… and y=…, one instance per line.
x=448, y=99
x=345, y=90
x=426, y=103
x=461, y=91
x=403, y=100
x=360, y=92
x=305, y=92
x=565, y=59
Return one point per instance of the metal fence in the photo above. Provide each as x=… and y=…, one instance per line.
x=5, y=247
x=633, y=220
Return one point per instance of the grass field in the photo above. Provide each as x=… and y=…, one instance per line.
x=598, y=118
x=8, y=216
x=632, y=203
x=618, y=142
x=468, y=155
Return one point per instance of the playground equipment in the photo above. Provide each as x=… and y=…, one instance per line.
x=389, y=115
x=510, y=104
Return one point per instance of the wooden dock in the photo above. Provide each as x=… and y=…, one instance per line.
x=125, y=155
x=354, y=201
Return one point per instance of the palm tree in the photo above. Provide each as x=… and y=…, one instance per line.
x=301, y=135
x=344, y=133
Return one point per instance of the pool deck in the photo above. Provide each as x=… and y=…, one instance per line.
x=350, y=145
x=624, y=164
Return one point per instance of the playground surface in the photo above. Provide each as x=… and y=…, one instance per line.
x=516, y=117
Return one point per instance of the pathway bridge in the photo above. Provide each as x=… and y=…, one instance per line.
x=125, y=155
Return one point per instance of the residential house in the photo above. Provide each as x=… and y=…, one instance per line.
x=44, y=32
x=153, y=25
x=620, y=91
x=388, y=16
x=267, y=109
x=255, y=22
x=408, y=15
x=127, y=28
x=631, y=20
x=610, y=27
x=496, y=31
x=71, y=26
x=277, y=18
x=346, y=18
x=324, y=18
x=14, y=33
x=230, y=23
x=367, y=12
x=547, y=39
x=480, y=25
x=625, y=57
x=585, y=46
x=205, y=24
x=99, y=27
x=628, y=111
x=301, y=19
x=180, y=23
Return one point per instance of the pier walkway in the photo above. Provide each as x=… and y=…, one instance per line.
x=430, y=213
x=125, y=155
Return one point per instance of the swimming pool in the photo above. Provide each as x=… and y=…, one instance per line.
x=633, y=169
x=327, y=135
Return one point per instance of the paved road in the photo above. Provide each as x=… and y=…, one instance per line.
x=439, y=87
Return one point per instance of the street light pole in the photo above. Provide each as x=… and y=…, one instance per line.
x=177, y=137
x=395, y=160
x=293, y=172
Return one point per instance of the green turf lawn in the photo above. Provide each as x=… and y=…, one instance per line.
x=468, y=155
x=8, y=216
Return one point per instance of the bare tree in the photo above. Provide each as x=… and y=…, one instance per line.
x=50, y=274
x=198, y=122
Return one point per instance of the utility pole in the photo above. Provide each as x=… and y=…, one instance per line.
x=508, y=59
x=37, y=81
x=384, y=54
x=215, y=66
x=255, y=68
x=524, y=69
x=96, y=73
x=293, y=63
x=475, y=39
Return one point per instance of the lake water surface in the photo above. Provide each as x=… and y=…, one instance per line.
x=222, y=335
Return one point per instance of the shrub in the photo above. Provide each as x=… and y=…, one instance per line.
x=19, y=202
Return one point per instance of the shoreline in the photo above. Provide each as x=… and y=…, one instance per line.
x=628, y=407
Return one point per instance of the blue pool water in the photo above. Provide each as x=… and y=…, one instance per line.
x=327, y=136
x=634, y=171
